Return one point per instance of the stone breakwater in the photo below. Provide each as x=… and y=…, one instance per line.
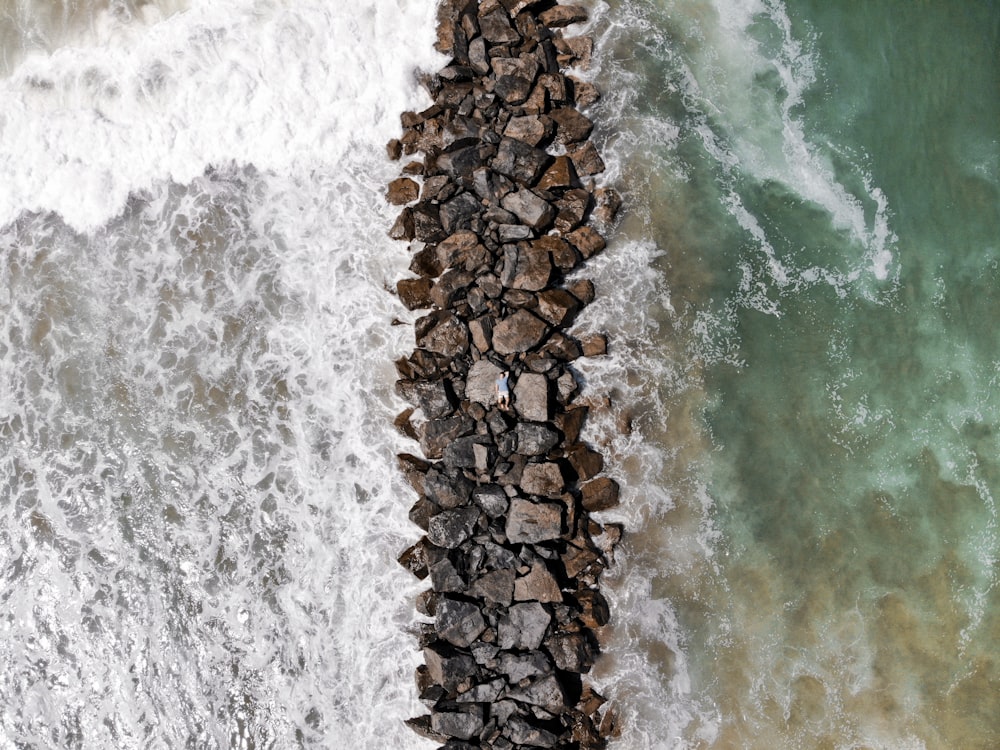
x=499, y=210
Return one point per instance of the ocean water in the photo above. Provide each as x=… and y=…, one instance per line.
x=198, y=513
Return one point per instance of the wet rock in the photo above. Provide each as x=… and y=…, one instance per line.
x=496, y=29
x=462, y=249
x=442, y=332
x=585, y=93
x=449, y=668
x=531, y=397
x=492, y=499
x=538, y=585
x=521, y=732
x=586, y=160
x=571, y=652
x=520, y=161
x=496, y=586
x=607, y=201
x=427, y=222
x=526, y=266
x=425, y=263
x=560, y=176
x=543, y=479
x=586, y=463
x=515, y=78
x=518, y=333
x=595, y=612
x=535, y=439
x=523, y=627
x=587, y=241
x=450, y=528
x=594, y=345
x=571, y=126
x=582, y=289
x=436, y=434
x=530, y=208
x=403, y=228
x=446, y=578
x=464, y=722
x=432, y=396
x=599, y=494
x=558, y=307
x=415, y=294
x=453, y=285
x=533, y=522
x=459, y=622
x=402, y=190
x=562, y=15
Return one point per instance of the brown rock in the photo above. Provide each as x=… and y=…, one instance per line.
x=543, y=479
x=531, y=397
x=425, y=263
x=571, y=652
x=572, y=209
x=496, y=29
x=571, y=126
x=586, y=463
x=557, y=306
x=480, y=383
x=583, y=290
x=587, y=241
x=402, y=190
x=595, y=608
x=427, y=222
x=538, y=585
x=576, y=558
x=482, y=333
x=461, y=249
x=452, y=285
x=599, y=494
x=558, y=86
x=576, y=49
x=531, y=129
x=405, y=427
x=570, y=422
x=562, y=15
x=607, y=201
x=594, y=345
x=584, y=93
x=586, y=159
x=402, y=228
x=530, y=208
x=442, y=332
x=415, y=294
x=520, y=332
x=533, y=522
x=560, y=175
x=515, y=78
x=394, y=149
x=526, y=266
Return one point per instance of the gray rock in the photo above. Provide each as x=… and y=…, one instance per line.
x=479, y=59
x=515, y=77
x=518, y=667
x=531, y=397
x=521, y=732
x=520, y=161
x=492, y=499
x=538, y=585
x=448, y=491
x=535, y=439
x=427, y=222
x=446, y=578
x=532, y=129
x=572, y=652
x=437, y=433
x=458, y=213
x=463, y=723
x=442, y=332
x=533, y=522
x=432, y=396
x=480, y=383
x=523, y=627
x=461, y=453
x=496, y=29
x=530, y=208
x=495, y=586
x=449, y=668
x=486, y=692
x=453, y=284
x=526, y=266
x=545, y=692
x=514, y=232
x=459, y=622
x=519, y=332
x=543, y=479
x=450, y=528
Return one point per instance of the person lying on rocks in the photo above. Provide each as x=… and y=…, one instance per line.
x=503, y=390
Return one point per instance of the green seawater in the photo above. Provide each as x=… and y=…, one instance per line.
x=820, y=184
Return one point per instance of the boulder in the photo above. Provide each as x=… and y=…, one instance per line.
x=415, y=294
x=571, y=126
x=587, y=241
x=425, y=263
x=459, y=622
x=560, y=176
x=461, y=453
x=460, y=212
x=535, y=439
x=427, y=222
x=462, y=163
x=522, y=732
x=519, y=332
x=480, y=383
x=584, y=93
x=449, y=668
x=562, y=15
x=571, y=209
x=438, y=433
x=538, y=585
x=432, y=396
x=453, y=285
x=586, y=159
x=496, y=586
x=479, y=59
x=515, y=78
x=607, y=202
x=445, y=577
x=526, y=266
x=403, y=228
x=519, y=667
x=543, y=479
x=533, y=522
x=595, y=612
x=446, y=490
x=545, y=692
x=442, y=332
x=558, y=307
x=481, y=330
x=464, y=722
x=583, y=290
x=486, y=692
x=438, y=188
x=532, y=129
x=594, y=345
x=450, y=528
x=530, y=208
x=492, y=499
x=402, y=190
x=523, y=627
x=520, y=161
x=496, y=29
x=571, y=652
x=586, y=463
x=460, y=249
x=531, y=397
x=599, y=494
x=577, y=558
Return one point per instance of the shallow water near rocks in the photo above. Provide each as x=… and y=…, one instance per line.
x=197, y=524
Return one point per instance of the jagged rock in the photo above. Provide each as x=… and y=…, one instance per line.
x=447, y=490
x=587, y=241
x=402, y=190
x=572, y=652
x=519, y=667
x=453, y=285
x=414, y=469
x=422, y=726
x=571, y=126
x=459, y=212
x=543, y=691
x=566, y=383
x=492, y=499
x=583, y=290
x=521, y=732
x=486, y=692
x=480, y=383
x=526, y=266
x=496, y=29
x=557, y=85
x=586, y=463
x=543, y=479
x=515, y=77
x=560, y=176
x=446, y=578
x=479, y=59
x=594, y=345
x=432, y=396
x=532, y=129
x=558, y=307
x=415, y=294
x=594, y=608
x=425, y=263
x=535, y=439
x=533, y=522
x=520, y=161
x=538, y=585
x=442, y=332
x=586, y=159
x=482, y=333
x=599, y=494
x=523, y=627
x=571, y=209
x=427, y=222
x=414, y=559
x=394, y=149
x=459, y=622
x=607, y=201
x=438, y=433
x=520, y=332
x=449, y=668
x=584, y=93
x=530, y=208
x=496, y=586
x=464, y=722
x=531, y=397
x=461, y=453
x=437, y=188
x=576, y=49
x=562, y=15
x=514, y=232
x=403, y=228
x=450, y=528
x=463, y=249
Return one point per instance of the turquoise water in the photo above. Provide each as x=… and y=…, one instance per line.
x=819, y=182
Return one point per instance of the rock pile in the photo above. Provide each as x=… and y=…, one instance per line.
x=497, y=211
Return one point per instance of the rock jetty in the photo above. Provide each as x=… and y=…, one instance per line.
x=499, y=211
